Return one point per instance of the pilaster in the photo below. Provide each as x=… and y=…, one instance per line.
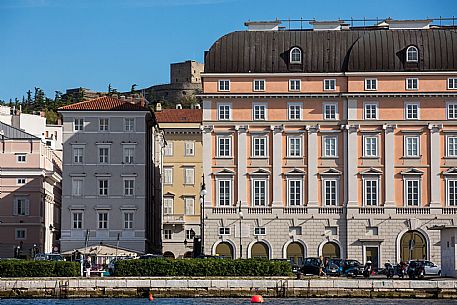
x=350, y=149
x=435, y=192
x=242, y=164
x=207, y=161
x=277, y=165
x=313, y=186
x=389, y=164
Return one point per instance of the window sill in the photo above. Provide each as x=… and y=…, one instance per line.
x=329, y=158
x=259, y=158
x=370, y=158
x=451, y=158
x=224, y=158
x=412, y=158
x=294, y=157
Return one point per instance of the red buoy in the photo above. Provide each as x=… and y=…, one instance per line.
x=151, y=298
x=257, y=299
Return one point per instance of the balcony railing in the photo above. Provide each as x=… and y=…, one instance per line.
x=371, y=210
x=412, y=210
x=331, y=210
x=225, y=210
x=452, y=211
x=173, y=219
x=259, y=210
x=295, y=210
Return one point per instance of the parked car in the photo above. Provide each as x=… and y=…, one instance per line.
x=416, y=269
x=351, y=268
x=48, y=257
x=431, y=268
x=334, y=267
x=311, y=266
x=148, y=256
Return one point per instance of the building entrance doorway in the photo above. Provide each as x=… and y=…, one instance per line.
x=372, y=254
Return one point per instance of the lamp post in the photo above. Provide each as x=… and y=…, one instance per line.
x=240, y=213
x=203, y=193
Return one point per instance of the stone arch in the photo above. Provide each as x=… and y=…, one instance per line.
x=188, y=254
x=168, y=254
x=333, y=242
x=298, y=241
x=420, y=233
x=265, y=243
x=227, y=241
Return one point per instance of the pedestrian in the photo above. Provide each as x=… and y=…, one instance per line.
x=321, y=266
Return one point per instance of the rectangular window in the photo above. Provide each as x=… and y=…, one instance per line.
x=452, y=83
x=370, y=146
x=21, y=233
x=259, y=146
x=412, y=84
x=412, y=146
x=128, y=220
x=259, y=85
x=77, y=187
x=102, y=220
x=78, y=155
x=330, y=84
x=260, y=231
x=168, y=205
x=103, y=187
x=259, y=194
x=295, y=111
x=167, y=234
x=103, y=155
x=103, y=124
x=189, y=175
x=189, y=148
x=168, y=150
x=452, y=146
x=129, y=153
x=224, y=231
x=452, y=111
x=294, y=187
x=371, y=111
x=21, y=158
x=224, y=146
x=223, y=111
x=294, y=85
x=224, y=85
x=330, y=111
x=412, y=192
x=330, y=192
x=168, y=175
x=330, y=146
x=190, y=234
x=452, y=192
x=259, y=112
x=371, y=84
x=294, y=146
x=371, y=192
x=77, y=220
x=224, y=192
x=129, y=187
x=20, y=181
x=411, y=111
x=189, y=206
x=21, y=207
x=78, y=124
x=129, y=124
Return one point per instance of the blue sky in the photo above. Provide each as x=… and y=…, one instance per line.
x=59, y=44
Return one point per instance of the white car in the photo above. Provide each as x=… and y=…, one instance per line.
x=431, y=268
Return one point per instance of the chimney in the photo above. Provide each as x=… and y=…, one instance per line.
x=158, y=107
x=178, y=106
x=334, y=25
x=263, y=25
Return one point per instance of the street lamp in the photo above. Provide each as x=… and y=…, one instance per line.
x=203, y=193
x=240, y=213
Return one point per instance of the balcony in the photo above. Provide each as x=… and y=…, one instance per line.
x=331, y=210
x=225, y=210
x=412, y=210
x=260, y=210
x=451, y=211
x=371, y=210
x=295, y=210
x=173, y=219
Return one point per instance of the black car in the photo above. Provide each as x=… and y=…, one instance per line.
x=311, y=265
x=334, y=267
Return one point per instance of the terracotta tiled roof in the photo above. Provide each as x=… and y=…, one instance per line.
x=179, y=116
x=106, y=103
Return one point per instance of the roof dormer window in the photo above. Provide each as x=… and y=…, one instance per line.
x=412, y=54
x=295, y=56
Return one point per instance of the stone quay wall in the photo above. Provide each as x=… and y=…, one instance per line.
x=223, y=287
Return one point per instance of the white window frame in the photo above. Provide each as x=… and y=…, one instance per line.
x=99, y=188
x=448, y=146
x=78, y=158
x=415, y=51
x=291, y=59
x=190, y=234
x=223, y=85
x=218, y=192
x=294, y=87
x=77, y=221
x=20, y=230
x=21, y=158
x=264, y=112
x=224, y=114
x=365, y=112
x=127, y=126
x=107, y=157
x=253, y=197
x=289, y=195
x=189, y=205
x=129, y=187
x=406, y=153
x=168, y=149
x=168, y=205
x=103, y=220
x=368, y=153
x=189, y=179
x=405, y=191
x=169, y=175
x=103, y=124
x=324, y=146
x=263, y=140
x=189, y=148
x=78, y=124
x=330, y=105
x=416, y=104
x=291, y=111
x=258, y=85
x=448, y=199
x=224, y=231
x=365, y=193
x=128, y=221
x=21, y=181
x=451, y=115
x=369, y=84
x=260, y=231
x=453, y=81
x=24, y=210
x=227, y=138
x=289, y=146
x=324, y=189
x=412, y=83
x=127, y=157
x=74, y=181
x=330, y=84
